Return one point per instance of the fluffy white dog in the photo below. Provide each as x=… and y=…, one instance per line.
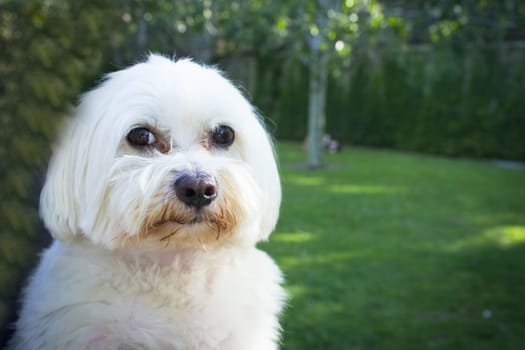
x=156, y=198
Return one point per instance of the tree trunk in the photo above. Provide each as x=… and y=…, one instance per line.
x=316, y=108
x=317, y=93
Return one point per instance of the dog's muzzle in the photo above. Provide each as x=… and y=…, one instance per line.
x=196, y=190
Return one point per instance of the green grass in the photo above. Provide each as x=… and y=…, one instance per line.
x=388, y=250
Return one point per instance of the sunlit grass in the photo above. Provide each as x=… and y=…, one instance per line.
x=507, y=235
x=295, y=237
x=306, y=180
x=503, y=236
x=363, y=189
x=385, y=250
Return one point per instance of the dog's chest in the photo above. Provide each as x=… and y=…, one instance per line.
x=195, y=295
x=179, y=281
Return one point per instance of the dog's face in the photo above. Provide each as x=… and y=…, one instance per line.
x=163, y=153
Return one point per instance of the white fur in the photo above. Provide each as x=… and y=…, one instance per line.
x=122, y=272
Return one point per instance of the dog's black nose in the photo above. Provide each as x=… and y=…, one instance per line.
x=196, y=190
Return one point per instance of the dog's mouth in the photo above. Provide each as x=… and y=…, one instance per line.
x=196, y=223
x=180, y=222
x=198, y=218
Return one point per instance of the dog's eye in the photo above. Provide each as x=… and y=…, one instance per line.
x=223, y=136
x=141, y=137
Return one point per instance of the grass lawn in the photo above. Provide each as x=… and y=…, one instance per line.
x=388, y=250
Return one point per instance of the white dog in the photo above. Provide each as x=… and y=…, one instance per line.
x=156, y=198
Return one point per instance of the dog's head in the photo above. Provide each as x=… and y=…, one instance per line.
x=164, y=151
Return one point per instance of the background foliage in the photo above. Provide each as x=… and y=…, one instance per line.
x=450, y=81
x=436, y=76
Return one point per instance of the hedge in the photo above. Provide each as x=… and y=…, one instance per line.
x=468, y=102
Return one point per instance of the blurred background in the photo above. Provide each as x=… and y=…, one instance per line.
x=409, y=234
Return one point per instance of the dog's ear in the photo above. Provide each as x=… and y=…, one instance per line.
x=71, y=196
x=58, y=205
x=262, y=159
x=273, y=198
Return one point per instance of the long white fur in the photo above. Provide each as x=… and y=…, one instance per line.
x=117, y=275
